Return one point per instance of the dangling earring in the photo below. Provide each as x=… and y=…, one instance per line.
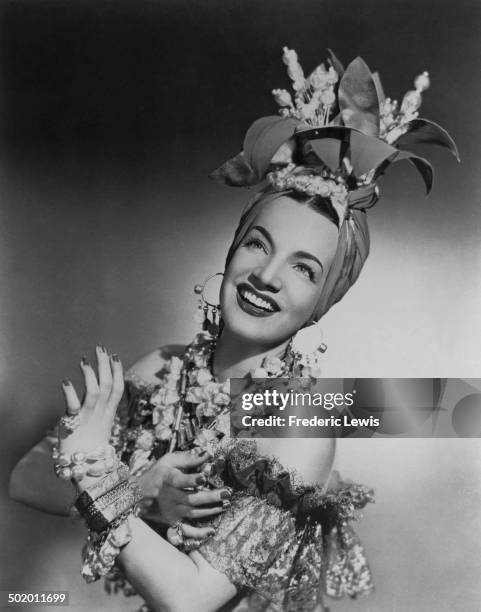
x=305, y=347
x=208, y=314
x=307, y=341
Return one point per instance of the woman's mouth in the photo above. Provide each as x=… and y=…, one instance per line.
x=255, y=304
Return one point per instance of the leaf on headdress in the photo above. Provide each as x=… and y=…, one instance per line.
x=285, y=153
x=323, y=152
x=331, y=144
x=422, y=131
x=336, y=63
x=422, y=165
x=381, y=96
x=264, y=138
x=358, y=99
x=235, y=172
x=367, y=153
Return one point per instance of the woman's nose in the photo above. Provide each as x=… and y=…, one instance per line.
x=267, y=277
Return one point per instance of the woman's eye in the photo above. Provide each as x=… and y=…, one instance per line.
x=254, y=243
x=305, y=270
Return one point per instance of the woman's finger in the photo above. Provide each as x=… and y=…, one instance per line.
x=199, y=533
x=202, y=498
x=117, y=383
x=179, y=480
x=105, y=375
x=71, y=398
x=186, y=460
x=195, y=513
x=91, y=385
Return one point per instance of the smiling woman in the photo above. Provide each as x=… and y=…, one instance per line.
x=277, y=269
x=227, y=523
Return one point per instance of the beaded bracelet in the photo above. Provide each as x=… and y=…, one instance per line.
x=96, y=463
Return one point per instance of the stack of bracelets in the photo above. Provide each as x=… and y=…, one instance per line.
x=105, y=505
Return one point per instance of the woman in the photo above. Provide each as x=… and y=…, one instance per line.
x=260, y=524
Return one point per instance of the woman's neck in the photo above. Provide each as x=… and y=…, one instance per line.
x=234, y=357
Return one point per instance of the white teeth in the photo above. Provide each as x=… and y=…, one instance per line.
x=256, y=301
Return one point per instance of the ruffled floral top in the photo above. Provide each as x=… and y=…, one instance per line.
x=282, y=542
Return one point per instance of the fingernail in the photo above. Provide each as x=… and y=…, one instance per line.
x=211, y=532
x=66, y=382
x=225, y=494
x=85, y=361
x=200, y=480
x=226, y=503
x=104, y=348
x=100, y=348
x=115, y=358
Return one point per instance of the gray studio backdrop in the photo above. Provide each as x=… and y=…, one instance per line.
x=111, y=116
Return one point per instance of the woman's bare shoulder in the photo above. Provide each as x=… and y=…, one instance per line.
x=148, y=368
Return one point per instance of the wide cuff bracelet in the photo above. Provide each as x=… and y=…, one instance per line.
x=100, y=488
x=100, y=514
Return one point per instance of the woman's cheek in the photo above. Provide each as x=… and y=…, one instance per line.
x=302, y=293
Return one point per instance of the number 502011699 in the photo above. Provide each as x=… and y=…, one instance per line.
x=32, y=598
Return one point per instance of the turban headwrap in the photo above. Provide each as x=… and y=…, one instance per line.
x=335, y=145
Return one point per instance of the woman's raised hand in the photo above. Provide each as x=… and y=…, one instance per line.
x=83, y=452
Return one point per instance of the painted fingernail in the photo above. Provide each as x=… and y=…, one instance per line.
x=225, y=494
x=200, y=480
x=66, y=382
x=115, y=358
x=211, y=532
x=85, y=361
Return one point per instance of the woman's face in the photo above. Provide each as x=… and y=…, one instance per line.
x=275, y=278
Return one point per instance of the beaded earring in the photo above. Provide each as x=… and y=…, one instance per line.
x=305, y=349
x=208, y=313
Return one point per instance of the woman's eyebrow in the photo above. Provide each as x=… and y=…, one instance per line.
x=306, y=255
x=264, y=232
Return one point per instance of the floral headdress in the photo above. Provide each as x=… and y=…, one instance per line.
x=335, y=136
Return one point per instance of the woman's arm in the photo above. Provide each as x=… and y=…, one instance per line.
x=160, y=573
x=33, y=481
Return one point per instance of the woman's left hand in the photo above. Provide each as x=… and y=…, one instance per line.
x=94, y=416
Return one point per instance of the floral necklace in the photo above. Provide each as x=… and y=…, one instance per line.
x=189, y=408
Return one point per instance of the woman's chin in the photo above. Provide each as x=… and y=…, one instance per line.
x=260, y=331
